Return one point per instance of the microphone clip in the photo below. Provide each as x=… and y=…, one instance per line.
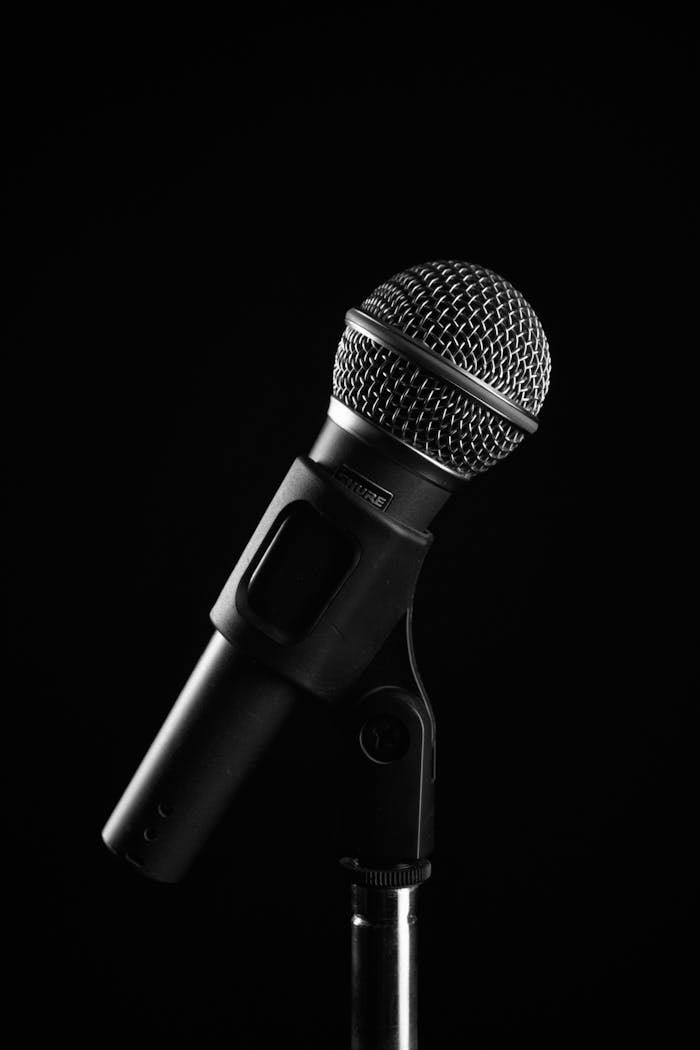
x=388, y=727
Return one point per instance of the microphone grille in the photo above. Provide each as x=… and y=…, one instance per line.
x=474, y=319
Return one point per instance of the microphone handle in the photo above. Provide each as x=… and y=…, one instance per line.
x=220, y=726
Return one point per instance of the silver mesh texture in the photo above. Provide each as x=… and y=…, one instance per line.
x=476, y=320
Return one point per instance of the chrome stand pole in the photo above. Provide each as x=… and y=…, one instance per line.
x=384, y=966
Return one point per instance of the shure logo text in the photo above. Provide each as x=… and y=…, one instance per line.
x=364, y=488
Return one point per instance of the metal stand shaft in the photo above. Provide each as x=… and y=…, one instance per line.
x=384, y=968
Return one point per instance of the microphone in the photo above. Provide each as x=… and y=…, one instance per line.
x=438, y=376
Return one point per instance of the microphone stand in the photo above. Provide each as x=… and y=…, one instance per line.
x=389, y=731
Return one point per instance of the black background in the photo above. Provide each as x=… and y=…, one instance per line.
x=190, y=210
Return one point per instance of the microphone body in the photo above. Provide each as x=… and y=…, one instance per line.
x=291, y=619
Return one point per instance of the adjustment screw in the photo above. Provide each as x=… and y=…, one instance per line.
x=384, y=738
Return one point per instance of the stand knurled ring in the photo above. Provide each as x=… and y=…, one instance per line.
x=398, y=877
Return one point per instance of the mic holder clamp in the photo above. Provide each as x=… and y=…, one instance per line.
x=292, y=618
x=389, y=731
x=296, y=602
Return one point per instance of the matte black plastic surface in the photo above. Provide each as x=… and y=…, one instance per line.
x=389, y=729
x=364, y=609
x=221, y=724
x=299, y=571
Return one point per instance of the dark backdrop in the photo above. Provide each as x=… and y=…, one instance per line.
x=190, y=210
